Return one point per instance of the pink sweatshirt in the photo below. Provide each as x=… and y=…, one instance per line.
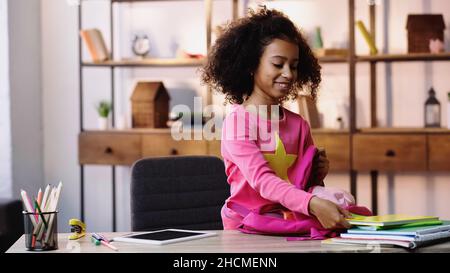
x=253, y=183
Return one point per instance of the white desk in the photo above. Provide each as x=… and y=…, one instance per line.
x=226, y=242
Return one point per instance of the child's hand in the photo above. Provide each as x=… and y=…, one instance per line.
x=330, y=215
x=321, y=165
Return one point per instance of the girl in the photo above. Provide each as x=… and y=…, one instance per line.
x=259, y=62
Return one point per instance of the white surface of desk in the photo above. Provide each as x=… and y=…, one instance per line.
x=229, y=241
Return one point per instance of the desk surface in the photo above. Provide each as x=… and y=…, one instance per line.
x=229, y=241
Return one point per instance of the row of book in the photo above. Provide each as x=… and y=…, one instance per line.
x=394, y=230
x=93, y=39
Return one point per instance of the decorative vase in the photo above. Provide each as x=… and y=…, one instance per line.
x=122, y=123
x=102, y=123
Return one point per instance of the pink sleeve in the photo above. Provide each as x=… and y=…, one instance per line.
x=248, y=158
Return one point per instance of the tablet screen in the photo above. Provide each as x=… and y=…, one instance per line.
x=164, y=235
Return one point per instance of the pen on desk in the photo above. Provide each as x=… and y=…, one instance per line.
x=95, y=241
x=103, y=242
x=100, y=237
x=104, y=238
x=109, y=245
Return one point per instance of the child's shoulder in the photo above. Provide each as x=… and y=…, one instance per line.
x=234, y=110
x=292, y=116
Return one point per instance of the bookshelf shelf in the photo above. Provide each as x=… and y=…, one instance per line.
x=322, y=131
x=329, y=131
x=333, y=59
x=404, y=130
x=147, y=63
x=130, y=1
x=403, y=57
x=137, y=131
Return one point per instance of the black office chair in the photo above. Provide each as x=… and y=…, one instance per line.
x=11, y=222
x=185, y=192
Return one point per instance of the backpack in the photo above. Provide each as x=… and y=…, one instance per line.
x=274, y=219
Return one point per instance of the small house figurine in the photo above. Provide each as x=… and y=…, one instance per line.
x=150, y=105
x=421, y=29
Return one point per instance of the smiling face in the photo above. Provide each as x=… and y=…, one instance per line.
x=276, y=73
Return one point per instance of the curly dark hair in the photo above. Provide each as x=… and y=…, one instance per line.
x=236, y=55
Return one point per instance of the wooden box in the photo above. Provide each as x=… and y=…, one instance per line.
x=150, y=105
x=423, y=27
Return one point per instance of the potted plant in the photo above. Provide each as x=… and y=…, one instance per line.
x=103, y=110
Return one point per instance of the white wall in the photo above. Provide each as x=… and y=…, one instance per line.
x=60, y=92
x=60, y=103
x=5, y=127
x=25, y=95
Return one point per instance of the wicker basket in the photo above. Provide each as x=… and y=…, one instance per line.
x=421, y=29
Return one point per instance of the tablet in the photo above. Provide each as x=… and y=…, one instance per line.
x=164, y=236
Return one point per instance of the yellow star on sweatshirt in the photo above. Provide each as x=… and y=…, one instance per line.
x=279, y=161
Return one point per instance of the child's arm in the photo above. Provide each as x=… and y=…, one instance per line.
x=328, y=213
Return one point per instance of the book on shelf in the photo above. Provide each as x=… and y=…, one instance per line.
x=367, y=37
x=93, y=39
x=308, y=110
x=388, y=220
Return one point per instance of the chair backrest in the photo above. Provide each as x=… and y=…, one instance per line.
x=185, y=192
x=11, y=222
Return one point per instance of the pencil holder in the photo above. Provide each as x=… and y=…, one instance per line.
x=41, y=230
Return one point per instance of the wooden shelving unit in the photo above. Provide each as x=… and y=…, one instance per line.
x=351, y=150
x=377, y=149
x=99, y=147
x=404, y=130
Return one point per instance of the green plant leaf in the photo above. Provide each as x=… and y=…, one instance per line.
x=103, y=108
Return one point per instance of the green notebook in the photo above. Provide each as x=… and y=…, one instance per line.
x=388, y=220
x=408, y=229
x=409, y=225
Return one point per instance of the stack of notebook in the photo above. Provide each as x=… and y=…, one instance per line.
x=394, y=230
